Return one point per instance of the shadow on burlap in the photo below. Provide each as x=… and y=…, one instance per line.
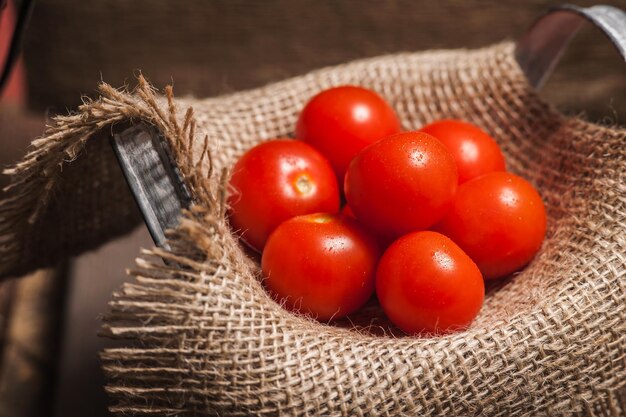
x=203, y=337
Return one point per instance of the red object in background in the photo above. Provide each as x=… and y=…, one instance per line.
x=426, y=283
x=15, y=90
x=475, y=152
x=320, y=264
x=341, y=121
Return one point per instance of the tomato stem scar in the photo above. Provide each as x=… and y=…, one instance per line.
x=304, y=184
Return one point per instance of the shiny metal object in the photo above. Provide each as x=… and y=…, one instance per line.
x=539, y=50
x=152, y=177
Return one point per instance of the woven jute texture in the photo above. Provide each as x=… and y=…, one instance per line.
x=202, y=337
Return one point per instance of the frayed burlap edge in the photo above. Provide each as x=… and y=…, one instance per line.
x=35, y=178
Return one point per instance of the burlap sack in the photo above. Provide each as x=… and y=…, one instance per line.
x=203, y=337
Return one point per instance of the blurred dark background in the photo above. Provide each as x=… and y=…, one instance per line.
x=217, y=46
x=49, y=321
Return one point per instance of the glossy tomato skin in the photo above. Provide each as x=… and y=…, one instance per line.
x=320, y=264
x=427, y=284
x=475, y=152
x=499, y=220
x=402, y=183
x=275, y=181
x=341, y=121
x=347, y=211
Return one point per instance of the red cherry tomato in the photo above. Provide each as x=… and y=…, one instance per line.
x=499, y=220
x=15, y=90
x=426, y=283
x=321, y=265
x=475, y=152
x=275, y=181
x=402, y=183
x=341, y=121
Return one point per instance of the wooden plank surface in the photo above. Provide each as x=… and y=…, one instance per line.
x=209, y=48
x=28, y=365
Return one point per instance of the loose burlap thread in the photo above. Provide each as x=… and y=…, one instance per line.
x=202, y=337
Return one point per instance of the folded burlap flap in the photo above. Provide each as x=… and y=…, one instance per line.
x=205, y=339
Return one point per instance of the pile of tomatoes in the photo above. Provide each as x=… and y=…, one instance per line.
x=356, y=206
